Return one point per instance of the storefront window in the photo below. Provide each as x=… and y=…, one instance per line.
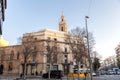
x=55, y=67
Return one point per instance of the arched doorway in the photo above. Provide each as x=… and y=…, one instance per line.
x=1, y=68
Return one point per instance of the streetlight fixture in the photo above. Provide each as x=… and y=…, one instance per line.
x=90, y=61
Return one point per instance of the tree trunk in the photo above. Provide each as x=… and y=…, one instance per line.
x=24, y=74
x=78, y=71
x=49, y=72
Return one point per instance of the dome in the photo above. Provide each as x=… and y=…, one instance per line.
x=3, y=42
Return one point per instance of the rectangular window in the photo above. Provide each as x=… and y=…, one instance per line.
x=48, y=38
x=18, y=54
x=65, y=60
x=55, y=39
x=65, y=49
x=65, y=56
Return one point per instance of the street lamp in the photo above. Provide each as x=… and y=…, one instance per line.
x=90, y=61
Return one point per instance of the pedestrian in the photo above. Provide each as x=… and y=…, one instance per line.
x=36, y=73
x=40, y=73
x=21, y=75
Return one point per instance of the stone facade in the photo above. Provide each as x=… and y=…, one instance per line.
x=12, y=56
x=39, y=50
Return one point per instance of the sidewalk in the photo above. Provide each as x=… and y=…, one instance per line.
x=8, y=77
x=63, y=78
x=13, y=77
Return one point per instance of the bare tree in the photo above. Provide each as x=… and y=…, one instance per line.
x=96, y=61
x=51, y=53
x=29, y=49
x=78, y=45
x=19, y=40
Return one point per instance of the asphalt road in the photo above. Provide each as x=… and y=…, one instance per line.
x=107, y=77
x=101, y=77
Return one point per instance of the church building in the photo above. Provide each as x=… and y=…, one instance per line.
x=48, y=46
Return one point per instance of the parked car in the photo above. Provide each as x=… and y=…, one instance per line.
x=57, y=74
x=118, y=72
x=94, y=74
x=110, y=73
x=103, y=72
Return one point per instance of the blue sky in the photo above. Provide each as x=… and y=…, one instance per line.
x=24, y=16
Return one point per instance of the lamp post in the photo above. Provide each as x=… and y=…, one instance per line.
x=90, y=61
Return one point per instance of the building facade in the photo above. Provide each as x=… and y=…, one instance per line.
x=109, y=63
x=117, y=50
x=38, y=51
x=12, y=60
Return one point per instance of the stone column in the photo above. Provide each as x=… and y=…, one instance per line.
x=71, y=68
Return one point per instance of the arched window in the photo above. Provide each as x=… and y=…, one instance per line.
x=62, y=29
x=1, y=68
x=10, y=66
x=18, y=54
x=35, y=53
x=3, y=55
x=12, y=55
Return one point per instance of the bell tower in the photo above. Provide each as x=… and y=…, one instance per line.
x=62, y=24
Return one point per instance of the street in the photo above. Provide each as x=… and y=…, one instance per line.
x=101, y=77
x=107, y=77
